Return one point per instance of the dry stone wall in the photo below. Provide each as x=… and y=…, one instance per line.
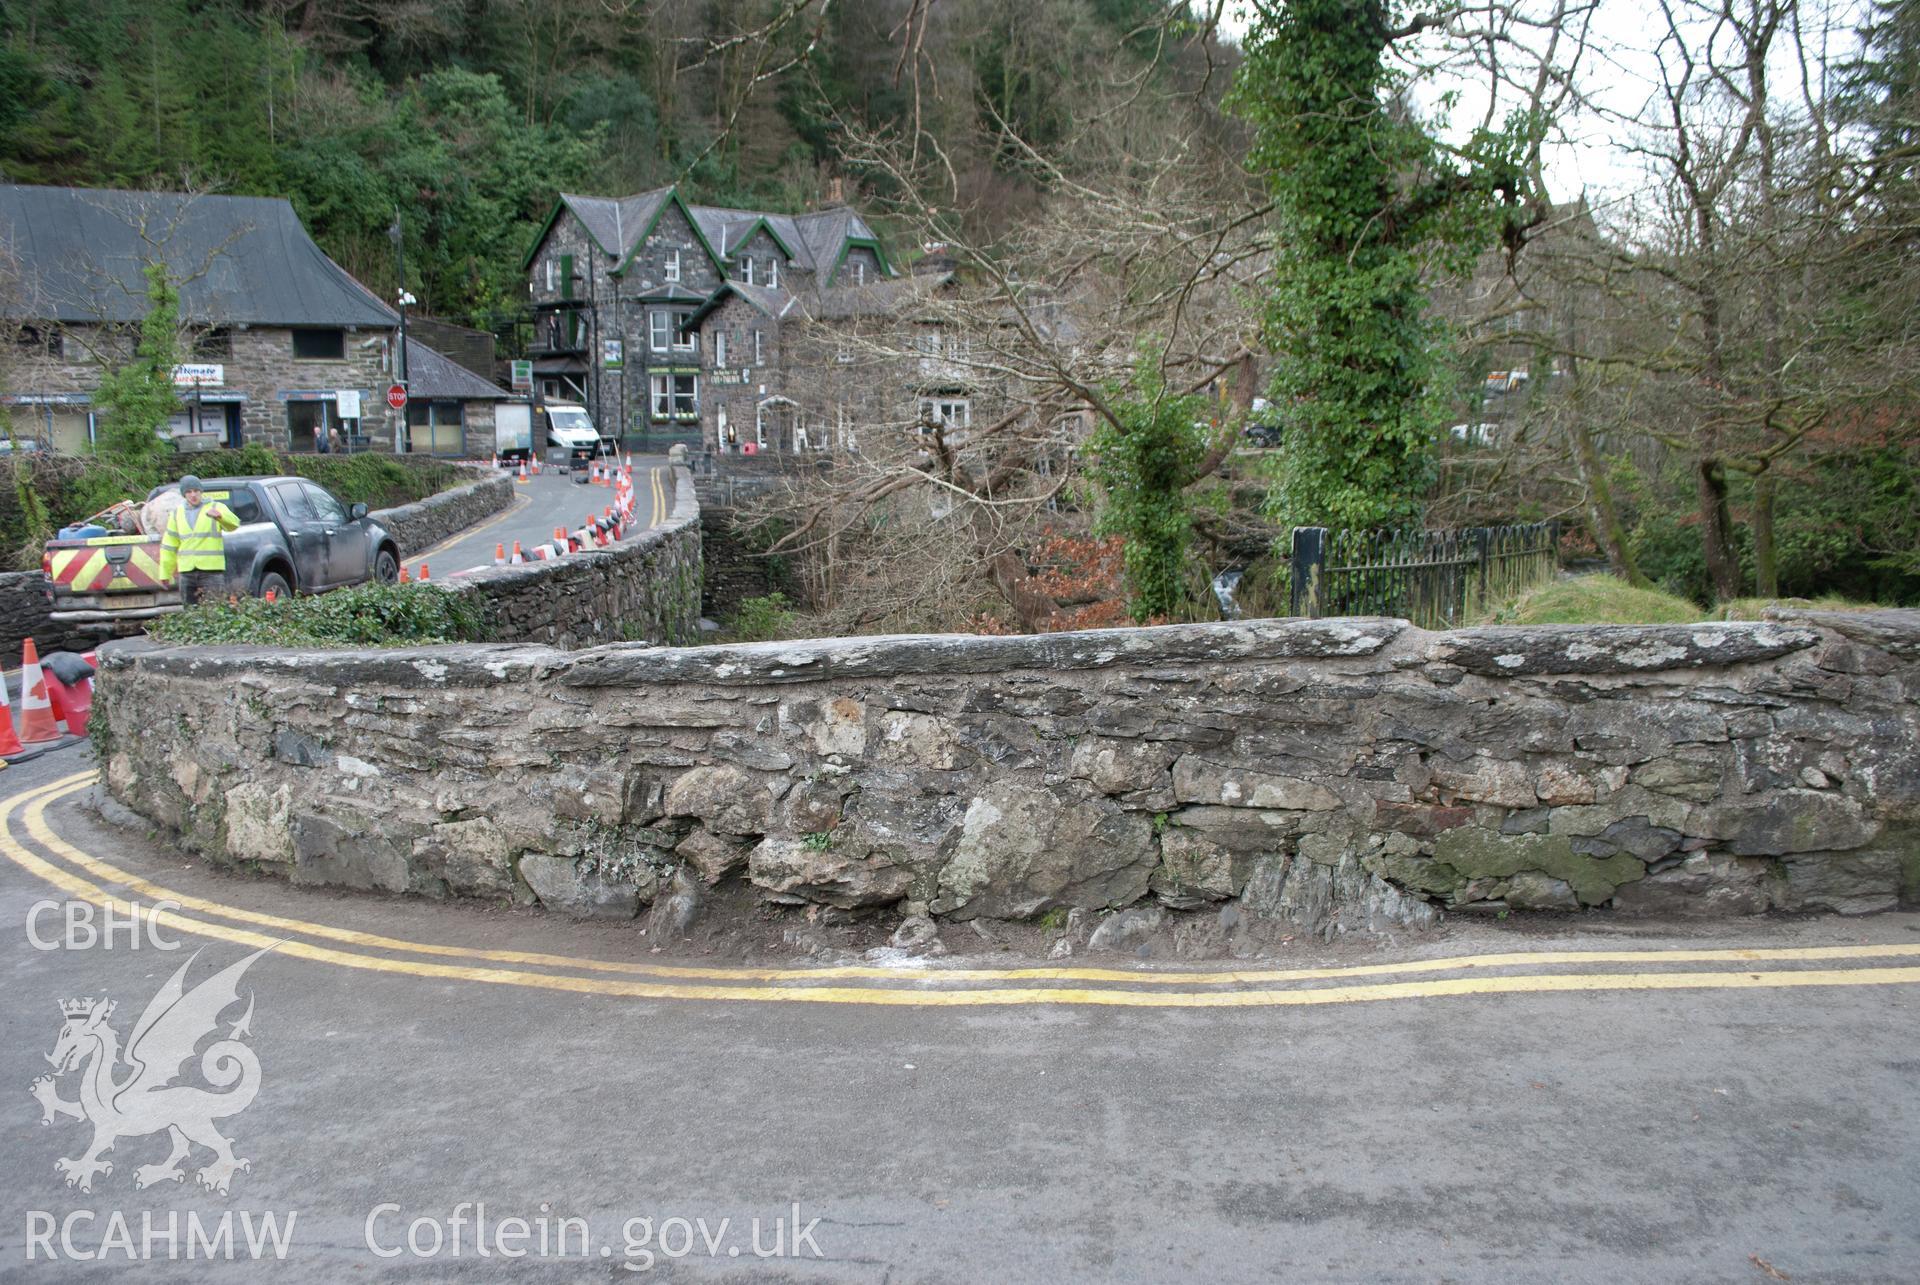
x=1283, y=776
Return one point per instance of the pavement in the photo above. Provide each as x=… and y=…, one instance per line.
x=1555, y=1098
x=553, y=499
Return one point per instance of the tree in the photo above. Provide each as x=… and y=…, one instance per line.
x=1146, y=457
x=1363, y=195
x=136, y=398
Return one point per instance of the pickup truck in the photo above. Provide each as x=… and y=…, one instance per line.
x=294, y=536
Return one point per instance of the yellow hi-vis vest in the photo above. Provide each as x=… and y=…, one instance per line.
x=196, y=545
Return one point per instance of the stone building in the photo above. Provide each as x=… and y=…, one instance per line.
x=280, y=345
x=449, y=408
x=672, y=321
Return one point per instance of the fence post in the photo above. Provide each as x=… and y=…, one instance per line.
x=1309, y=562
x=1482, y=546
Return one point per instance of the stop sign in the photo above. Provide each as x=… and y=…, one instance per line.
x=397, y=396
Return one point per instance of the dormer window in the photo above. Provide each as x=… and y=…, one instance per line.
x=859, y=272
x=673, y=265
x=746, y=271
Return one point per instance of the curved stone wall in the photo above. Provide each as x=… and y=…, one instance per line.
x=1294, y=775
x=425, y=523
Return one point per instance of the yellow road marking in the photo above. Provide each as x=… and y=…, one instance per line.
x=520, y=501
x=1482, y=985
x=34, y=818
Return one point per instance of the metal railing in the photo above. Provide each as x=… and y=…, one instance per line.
x=1436, y=579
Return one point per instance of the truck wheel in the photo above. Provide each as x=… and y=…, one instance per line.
x=386, y=567
x=276, y=584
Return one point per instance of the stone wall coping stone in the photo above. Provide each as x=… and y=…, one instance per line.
x=1498, y=652
x=1520, y=650
x=1895, y=631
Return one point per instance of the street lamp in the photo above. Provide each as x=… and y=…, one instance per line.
x=398, y=237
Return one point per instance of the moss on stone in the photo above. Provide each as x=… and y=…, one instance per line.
x=1478, y=853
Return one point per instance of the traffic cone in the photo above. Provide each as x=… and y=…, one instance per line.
x=499, y=554
x=423, y=573
x=9, y=739
x=523, y=470
x=36, y=710
x=270, y=595
x=404, y=578
x=78, y=702
x=518, y=557
x=536, y=466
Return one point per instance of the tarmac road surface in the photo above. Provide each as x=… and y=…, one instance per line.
x=1574, y=1099
x=554, y=499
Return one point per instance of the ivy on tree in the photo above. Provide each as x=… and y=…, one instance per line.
x=1366, y=200
x=1146, y=455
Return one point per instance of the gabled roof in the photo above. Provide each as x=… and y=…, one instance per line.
x=767, y=299
x=433, y=377
x=239, y=260
x=815, y=241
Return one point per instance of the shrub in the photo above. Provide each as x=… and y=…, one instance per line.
x=764, y=619
x=369, y=615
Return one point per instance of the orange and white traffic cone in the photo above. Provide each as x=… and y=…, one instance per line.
x=523, y=470
x=9, y=739
x=404, y=577
x=518, y=557
x=499, y=554
x=36, y=710
x=423, y=573
x=270, y=595
x=536, y=466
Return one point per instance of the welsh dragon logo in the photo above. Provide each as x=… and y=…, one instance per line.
x=144, y=1098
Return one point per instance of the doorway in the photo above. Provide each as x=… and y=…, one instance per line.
x=307, y=425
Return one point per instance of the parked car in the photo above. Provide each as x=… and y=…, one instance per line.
x=294, y=536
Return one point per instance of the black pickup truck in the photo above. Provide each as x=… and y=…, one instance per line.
x=294, y=536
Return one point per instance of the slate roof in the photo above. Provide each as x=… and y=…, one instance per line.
x=617, y=223
x=432, y=377
x=239, y=259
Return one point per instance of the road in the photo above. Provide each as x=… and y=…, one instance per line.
x=1670, y=1108
x=553, y=499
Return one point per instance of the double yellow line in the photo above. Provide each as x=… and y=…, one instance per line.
x=659, y=489
x=955, y=987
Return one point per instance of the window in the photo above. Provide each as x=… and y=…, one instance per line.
x=673, y=265
x=746, y=269
x=660, y=330
x=675, y=396
x=948, y=413
x=773, y=273
x=294, y=500
x=325, y=507
x=39, y=342
x=859, y=272
x=684, y=340
x=549, y=273
x=320, y=345
x=719, y=347
x=217, y=342
x=759, y=354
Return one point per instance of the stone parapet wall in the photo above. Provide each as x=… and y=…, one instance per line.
x=1292, y=776
x=427, y=522
x=645, y=589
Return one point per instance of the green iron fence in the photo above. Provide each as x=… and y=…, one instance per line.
x=1436, y=579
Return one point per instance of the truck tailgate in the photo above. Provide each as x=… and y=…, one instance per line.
x=106, y=576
